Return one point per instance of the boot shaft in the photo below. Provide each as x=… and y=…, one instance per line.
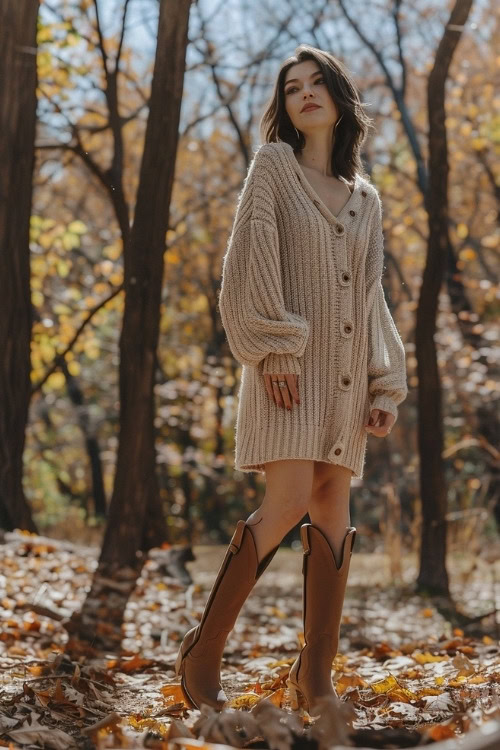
x=324, y=583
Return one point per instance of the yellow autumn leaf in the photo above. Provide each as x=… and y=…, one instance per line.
x=91, y=350
x=47, y=351
x=38, y=264
x=45, y=241
x=478, y=679
x=56, y=380
x=148, y=723
x=383, y=686
x=63, y=268
x=457, y=681
x=44, y=35
x=247, y=700
x=74, y=368
x=70, y=240
x=61, y=309
x=37, y=298
x=113, y=251
x=402, y=694
x=116, y=278
x=77, y=227
x=426, y=657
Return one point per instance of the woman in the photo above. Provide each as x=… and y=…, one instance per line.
x=304, y=312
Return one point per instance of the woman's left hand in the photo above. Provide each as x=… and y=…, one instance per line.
x=380, y=423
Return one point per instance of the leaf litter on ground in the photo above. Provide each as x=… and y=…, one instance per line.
x=404, y=676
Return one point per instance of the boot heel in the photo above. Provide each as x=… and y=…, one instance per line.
x=297, y=699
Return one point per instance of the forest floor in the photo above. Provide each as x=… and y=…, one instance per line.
x=410, y=670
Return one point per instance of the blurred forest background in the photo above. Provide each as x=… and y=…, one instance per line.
x=95, y=67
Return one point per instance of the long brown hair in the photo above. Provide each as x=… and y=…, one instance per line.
x=351, y=131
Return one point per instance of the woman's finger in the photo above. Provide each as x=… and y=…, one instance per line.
x=269, y=387
x=293, y=387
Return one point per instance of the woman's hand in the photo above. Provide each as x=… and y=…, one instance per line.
x=380, y=423
x=283, y=394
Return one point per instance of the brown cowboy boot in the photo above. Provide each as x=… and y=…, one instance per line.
x=324, y=587
x=200, y=654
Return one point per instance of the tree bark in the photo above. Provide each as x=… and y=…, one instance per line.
x=135, y=518
x=433, y=575
x=76, y=396
x=18, y=80
x=135, y=492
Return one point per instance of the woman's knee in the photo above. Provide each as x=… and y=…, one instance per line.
x=288, y=489
x=329, y=481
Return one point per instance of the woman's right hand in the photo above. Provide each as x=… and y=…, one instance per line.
x=282, y=395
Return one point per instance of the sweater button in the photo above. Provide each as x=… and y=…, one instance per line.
x=348, y=328
x=340, y=229
x=363, y=193
x=338, y=451
x=345, y=381
x=353, y=213
x=346, y=277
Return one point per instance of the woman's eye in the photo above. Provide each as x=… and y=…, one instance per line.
x=294, y=88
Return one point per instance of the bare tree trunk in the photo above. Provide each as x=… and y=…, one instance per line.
x=76, y=396
x=18, y=79
x=135, y=493
x=433, y=575
x=135, y=518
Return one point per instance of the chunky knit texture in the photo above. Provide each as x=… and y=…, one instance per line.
x=302, y=293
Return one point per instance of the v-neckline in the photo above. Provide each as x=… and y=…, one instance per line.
x=311, y=191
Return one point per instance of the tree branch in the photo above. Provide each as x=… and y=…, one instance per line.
x=60, y=357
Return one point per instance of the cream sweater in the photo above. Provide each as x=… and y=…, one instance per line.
x=302, y=293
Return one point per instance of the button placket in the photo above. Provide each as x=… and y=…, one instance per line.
x=344, y=378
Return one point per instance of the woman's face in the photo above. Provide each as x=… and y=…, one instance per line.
x=304, y=84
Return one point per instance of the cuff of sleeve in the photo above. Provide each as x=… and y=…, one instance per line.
x=385, y=403
x=280, y=363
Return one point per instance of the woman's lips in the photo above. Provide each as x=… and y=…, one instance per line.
x=311, y=107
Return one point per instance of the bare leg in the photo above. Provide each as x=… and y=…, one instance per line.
x=288, y=489
x=329, y=503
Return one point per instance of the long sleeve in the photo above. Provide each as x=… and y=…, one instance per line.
x=387, y=384
x=259, y=329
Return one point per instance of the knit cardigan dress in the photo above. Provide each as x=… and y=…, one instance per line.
x=301, y=293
